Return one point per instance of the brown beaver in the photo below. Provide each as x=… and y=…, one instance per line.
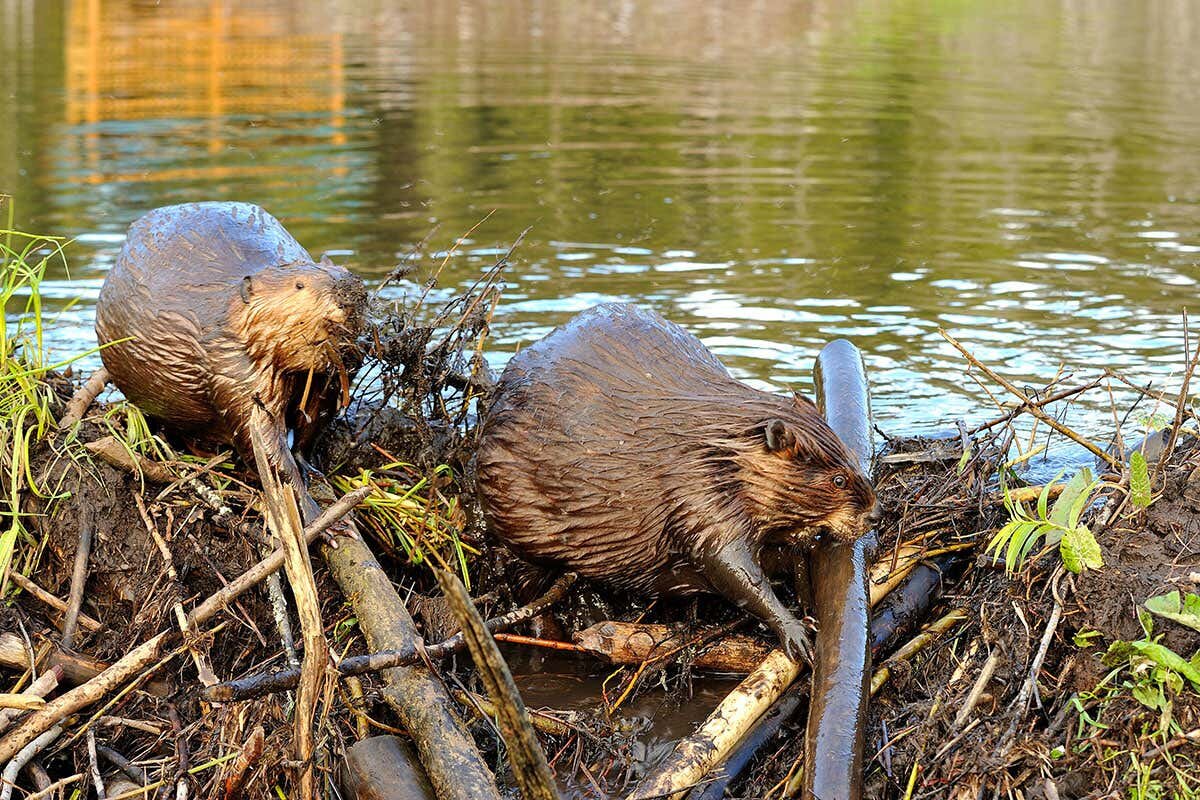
x=620, y=447
x=214, y=307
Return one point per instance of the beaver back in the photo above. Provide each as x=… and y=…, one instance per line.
x=615, y=441
x=170, y=297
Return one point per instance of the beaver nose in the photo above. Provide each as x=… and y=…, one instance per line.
x=876, y=515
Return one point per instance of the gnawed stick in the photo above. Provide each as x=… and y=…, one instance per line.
x=694, y=756
x=83, y=398
x=526, y=759
x=283, y=518
x=633, y=643
x=86, y=622
x=46, y=683
x=17, y=761
x=447, y=752
x=258, y=685
x=916, y=645
x=144, y=655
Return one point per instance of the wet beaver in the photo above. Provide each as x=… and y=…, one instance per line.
x=620, y=447
x=222, y=309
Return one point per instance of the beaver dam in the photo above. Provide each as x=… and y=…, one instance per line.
x=1026, y=640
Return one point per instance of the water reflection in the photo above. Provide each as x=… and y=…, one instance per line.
x=769, y=174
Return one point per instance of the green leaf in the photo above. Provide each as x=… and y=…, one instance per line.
x=1080, y=550
x=1149, y=694
x=1083, y=639
x=1182, y=609
x=1139, y=480
x=1061, y=512
x=1163, y=656
x=1024, y=537
x=966, y=456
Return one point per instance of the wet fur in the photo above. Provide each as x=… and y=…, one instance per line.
x=619, y=446
x=222, y=309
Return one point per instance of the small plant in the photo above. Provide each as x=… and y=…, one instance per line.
x=1058, y=524
x=1139, y=480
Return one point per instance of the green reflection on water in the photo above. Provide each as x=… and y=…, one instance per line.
x=770, y=174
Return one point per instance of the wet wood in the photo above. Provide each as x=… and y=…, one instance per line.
x=454, y=766
x=283, y=519
x=633, y=643
x=83, y=398
x=526, y=759
x=384, y=768
x=109, y=450
x=694, y=756
x=836, y=732
x=86, y=622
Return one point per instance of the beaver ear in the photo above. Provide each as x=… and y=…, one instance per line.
x=804, y=403
x=779, y=436
x=247, y=289
x=325, y=261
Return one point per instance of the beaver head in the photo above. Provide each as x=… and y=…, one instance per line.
x=302, y=316
x=797, y=476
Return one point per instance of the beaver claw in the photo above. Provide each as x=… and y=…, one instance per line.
x=795, y=641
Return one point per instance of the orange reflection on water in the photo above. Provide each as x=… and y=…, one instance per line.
x=210, y=60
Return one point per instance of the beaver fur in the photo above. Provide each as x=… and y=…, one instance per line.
x=621, y=448
x=212, y=308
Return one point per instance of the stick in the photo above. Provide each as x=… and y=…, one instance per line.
x=1045, y=401
x=259, y=572
x=525, y=756
x=18, y=760
x=90, y=624
x=916, y=645
x=258, y=685
x=454, y=765
x=20, y=701
x=46, y=683
x=37, y=723
x=203, y=669
x=1181, y=404
x=692, y=757
x=84, y=396
x=283, y=518
x=248, y=756
x=1031, y=406
x=977, y=689
x=94, y=765
x=78, y=580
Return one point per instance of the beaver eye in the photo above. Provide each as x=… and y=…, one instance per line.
x=299, y=284
x=839, y=481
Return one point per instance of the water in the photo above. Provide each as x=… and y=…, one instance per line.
x=770, y=174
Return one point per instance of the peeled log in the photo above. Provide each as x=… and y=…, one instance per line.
x=633, y=643
x=447, y=752
x=842, y=667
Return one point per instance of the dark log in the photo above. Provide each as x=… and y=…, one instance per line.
x=842, y=667
x=384, y=768
x=633, y=643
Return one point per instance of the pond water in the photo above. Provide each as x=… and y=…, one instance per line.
x=770, y=174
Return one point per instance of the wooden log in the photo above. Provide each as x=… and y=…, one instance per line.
x=836, y=731
x=633, y=643
x=454, y=766
x=384, y=768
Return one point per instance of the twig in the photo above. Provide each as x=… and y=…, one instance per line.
x=133, y=771
x=78, y=580
x=251, y=751
x=183, y=756
x=1181, y=404
x=916, y=645
x=1031, y=406
x=977, y=689
x=86, y=622
x=1020, y=706
x=44, y=685
x=1045, y=401
x=272, y=563
x=94, y=765
x=203, y=668
x=18, y=760
x=258, y=685
x=84, y=396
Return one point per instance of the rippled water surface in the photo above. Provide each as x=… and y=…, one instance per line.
x=770, y=174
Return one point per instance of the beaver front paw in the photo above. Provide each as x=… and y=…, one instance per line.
x=796, y=643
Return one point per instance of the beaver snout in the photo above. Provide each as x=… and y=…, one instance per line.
x=875, y=515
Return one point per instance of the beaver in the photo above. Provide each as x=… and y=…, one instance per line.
x=214, y=308
x=621, y=448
